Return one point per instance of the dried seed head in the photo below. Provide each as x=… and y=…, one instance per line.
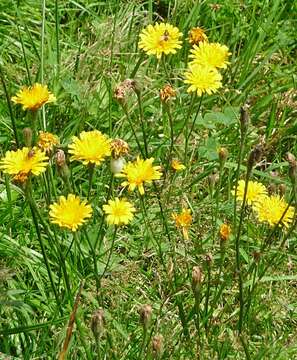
x=158, y=345
x=97, y=323
x=63, y=169
x=119, y=148
x=117, y=165
x=60, y=158
x=213, y=179
x=197, y=35
x=167, y=93
x=145, y=313
x=292, y=167
x=27, y=133
x=124, y=89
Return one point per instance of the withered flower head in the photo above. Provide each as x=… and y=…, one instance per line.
x=196, y=35
x=167, y=93
x=119, y=148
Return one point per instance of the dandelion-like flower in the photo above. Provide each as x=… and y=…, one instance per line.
x=272, y=208
x=91, y=147
x=225, y=232
x=47, y=141
x=140, y=172
x=23, y=162
x=183, y=221
x=210, y=54
x=70, y=212
x=177, y=165
x=160, y=39
x=33, y=97
x=255, y=191
x=119, y=212
x=196, y=35
x=202, y=79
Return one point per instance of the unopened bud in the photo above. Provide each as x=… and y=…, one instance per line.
x=158, y=346
x=196, y=279
x=63, y=169
x=60, y=158
x=255, y=156
x=282, y=190
x=244, y=120
x=97, y=323
x=27, y=132
x=271, y=189
x=292, y=167
x=223, y=154
x=209, y=259
x=146, y=315
x=213, y=179
x=256, y=256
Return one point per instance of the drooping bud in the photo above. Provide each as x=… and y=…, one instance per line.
x=62, y=167
x=158, y=346
x=255, y=155
x=28, y=135
x=145, y=313
x=213, y=179
x=97, y=323
x=117, y=165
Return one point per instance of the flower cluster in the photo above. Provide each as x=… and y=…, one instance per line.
x=271, y=209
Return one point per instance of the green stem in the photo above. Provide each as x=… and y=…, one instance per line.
x=141, y=117
x=91, y=169
x=168, y=111
x=110, y=253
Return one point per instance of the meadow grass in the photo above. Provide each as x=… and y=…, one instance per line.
x=145, y=290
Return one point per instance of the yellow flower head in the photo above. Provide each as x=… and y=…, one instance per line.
x=119, y=148
x=91, y=147
x=46, y=141
x=118, y=211
x=225, y=232
x=23, y=162
x=139, y=172
x=183, y=221
x=270, y=209
x=160, y=39
x=177, y=165
x=33, y=97
x=196, y=35
x=255, y=191
x=70, y=212
x=210, y=54
x=167, y=93
x=202, y=79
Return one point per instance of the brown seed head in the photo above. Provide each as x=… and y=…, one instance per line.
x=97, y=323
x=167, y=93
x=145, y=313
x=158, y=345
x=119, y=148
x=60, y=158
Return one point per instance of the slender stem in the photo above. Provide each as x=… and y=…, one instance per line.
x=168, y=111
x=110, y=253
x=91, y=169
x=143, y=343
x=141, y=117
x=192, y=127
x=12, y=118
x=206, y=315
x=188, y=115
x=57, y=32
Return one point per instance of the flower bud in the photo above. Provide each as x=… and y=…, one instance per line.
x=255, y=155
x=271, y=189
x=145, y=315
x=209, y=259
x=28, y=135
x=63, y=169
x=158, y=345
x=213, y=179
x=223, y=154
x=244, y=120
x=282, y=190
x=292, y=167
x=97, y=323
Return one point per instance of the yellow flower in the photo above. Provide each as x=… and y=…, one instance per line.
x=118, y=211
x=225, y=232
x=210, y=54
x=177, y=165
x=196, y=35
x=270, y=209
x=160, y=39
x=46, y=141
x=90, y=148
x=255, y=191
x=202, y=79
x=70, y=212
x=22, y=162
x=183, y=221
x=139, y=172
x=33, y=97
